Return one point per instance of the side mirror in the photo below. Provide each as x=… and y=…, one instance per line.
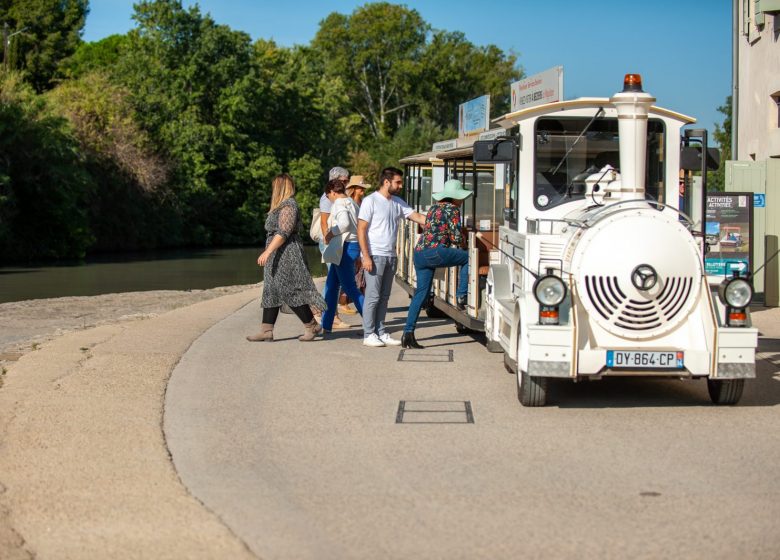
x=499, y=150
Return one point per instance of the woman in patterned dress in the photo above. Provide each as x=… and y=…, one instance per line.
x=438, y=247
x=286, y=278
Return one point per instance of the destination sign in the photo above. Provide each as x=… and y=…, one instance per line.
x=445, y=145
x=545, y=87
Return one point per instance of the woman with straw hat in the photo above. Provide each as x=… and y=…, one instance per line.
x=439, y=247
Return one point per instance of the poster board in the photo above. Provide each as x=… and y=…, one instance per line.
x=474, y=116
x=729, y=229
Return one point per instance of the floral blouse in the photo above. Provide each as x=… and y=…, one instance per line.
x=442, y=227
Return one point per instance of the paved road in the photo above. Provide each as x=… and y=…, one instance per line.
x=296, y=447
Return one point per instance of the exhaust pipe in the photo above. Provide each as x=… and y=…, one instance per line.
x=632, y=106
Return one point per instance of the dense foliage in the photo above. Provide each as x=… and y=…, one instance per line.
x=170, y=134
x=716, y=180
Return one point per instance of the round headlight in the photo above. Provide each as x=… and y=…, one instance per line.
x=550, y=290
x=737, y=293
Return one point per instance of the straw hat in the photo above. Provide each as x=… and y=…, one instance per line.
x=453, y=189
x=357, y=182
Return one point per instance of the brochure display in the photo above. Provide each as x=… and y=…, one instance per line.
x=729, y=229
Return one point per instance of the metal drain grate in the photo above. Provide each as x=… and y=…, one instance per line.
x=434, y=412
x=426, y=356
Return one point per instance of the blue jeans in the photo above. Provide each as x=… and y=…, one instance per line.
x=342, y=277
x=425, y=264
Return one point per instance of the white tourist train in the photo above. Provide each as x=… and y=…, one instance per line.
x=584, y=262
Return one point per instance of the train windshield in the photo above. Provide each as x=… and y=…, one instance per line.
x=565, y=156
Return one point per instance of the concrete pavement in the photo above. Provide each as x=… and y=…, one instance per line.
x=297, y=448
x=292, y=460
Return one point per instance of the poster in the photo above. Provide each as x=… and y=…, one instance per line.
x=729, y=229
x=474, y=116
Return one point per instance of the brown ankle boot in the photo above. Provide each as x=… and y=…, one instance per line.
x=310, y=331
x=266, y=333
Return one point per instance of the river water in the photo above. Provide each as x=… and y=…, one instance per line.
x=163, y=270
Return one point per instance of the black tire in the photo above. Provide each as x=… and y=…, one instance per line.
x=725, y=391
x=531, y=391
x=462, y=329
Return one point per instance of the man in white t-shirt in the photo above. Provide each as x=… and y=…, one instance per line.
x=378, y=221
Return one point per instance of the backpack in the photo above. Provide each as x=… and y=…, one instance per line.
x=315, y=230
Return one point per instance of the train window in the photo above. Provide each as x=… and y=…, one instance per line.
x=562, y=159
x=482, y=211
x=426, y=183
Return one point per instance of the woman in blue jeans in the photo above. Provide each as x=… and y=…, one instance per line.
x=439, y=247
x=341, y=252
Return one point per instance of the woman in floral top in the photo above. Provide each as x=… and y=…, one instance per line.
x=439, y=247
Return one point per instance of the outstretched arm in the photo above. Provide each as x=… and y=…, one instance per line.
x=417, y=218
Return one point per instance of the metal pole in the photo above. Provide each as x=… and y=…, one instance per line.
x=5, y=46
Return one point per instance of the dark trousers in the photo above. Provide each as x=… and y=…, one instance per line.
x=303, y=312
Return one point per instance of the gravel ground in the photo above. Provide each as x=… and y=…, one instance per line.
x=27, y=324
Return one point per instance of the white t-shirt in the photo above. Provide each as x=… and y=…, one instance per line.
x=383, y=216
x=325, y=204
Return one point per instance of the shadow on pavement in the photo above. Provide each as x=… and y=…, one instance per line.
x=617, y=392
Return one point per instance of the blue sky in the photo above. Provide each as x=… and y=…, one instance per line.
x=682, y=48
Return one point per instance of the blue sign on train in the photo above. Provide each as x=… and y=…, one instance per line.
x=759, y=200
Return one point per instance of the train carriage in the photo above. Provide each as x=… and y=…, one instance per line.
x=589, y=266
x=425, y=175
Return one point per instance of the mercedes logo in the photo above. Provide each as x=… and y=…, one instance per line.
x=644, y=277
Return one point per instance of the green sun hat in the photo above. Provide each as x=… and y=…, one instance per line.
x=453, y=189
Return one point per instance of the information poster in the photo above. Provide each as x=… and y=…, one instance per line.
x=474, y=116
x=729, y=229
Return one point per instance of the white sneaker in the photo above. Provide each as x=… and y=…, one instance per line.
x=373, y=341
x=389, y=340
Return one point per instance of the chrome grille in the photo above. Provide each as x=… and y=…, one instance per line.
x=611, y=302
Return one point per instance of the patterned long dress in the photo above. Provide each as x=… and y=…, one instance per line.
x=286, y=277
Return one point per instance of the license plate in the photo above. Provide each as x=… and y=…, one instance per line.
x=645, y=360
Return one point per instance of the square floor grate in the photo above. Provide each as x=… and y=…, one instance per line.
x=434, y=412
x=426, y=356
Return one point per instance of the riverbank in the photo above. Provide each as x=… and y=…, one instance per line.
x=28, y=324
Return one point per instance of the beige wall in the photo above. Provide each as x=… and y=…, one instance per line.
x=759, y=78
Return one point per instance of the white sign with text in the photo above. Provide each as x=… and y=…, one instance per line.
x=545, y=87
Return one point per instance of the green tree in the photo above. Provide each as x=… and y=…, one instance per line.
x=716, y=180
x=129, y=205
x=197, y=94
x=43, y=185
x=52, y=33
x=455, y=70
x=100, y=55
x=376, y=51
x=395, y=68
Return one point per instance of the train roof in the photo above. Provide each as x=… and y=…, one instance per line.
x=511, y=119
x=425, y=157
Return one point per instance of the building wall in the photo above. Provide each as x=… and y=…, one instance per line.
x=759, y=80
